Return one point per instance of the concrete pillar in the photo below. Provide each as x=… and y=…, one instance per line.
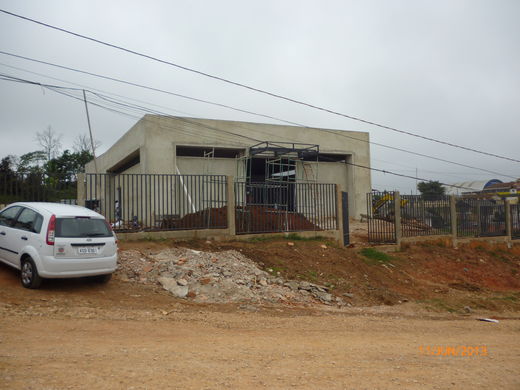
x=339, y=214
x=453, y=217
x=81, y=189
x=231, y=205
x=509, y=227
x=397, y=216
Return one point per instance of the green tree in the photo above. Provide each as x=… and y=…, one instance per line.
x=68, y=165
x=31, y=162
x=431, y=189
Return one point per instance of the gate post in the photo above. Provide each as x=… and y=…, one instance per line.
x=339, y=213
x=453, y=219
x=397, y=218
x=507, y=210
x=230, y=181
x=80, y=192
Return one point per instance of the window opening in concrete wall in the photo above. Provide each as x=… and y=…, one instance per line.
x=205, y=151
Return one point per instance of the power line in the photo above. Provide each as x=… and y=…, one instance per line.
x=241, y=85
x=59, y=89
x=262, y=115
x=150, y=88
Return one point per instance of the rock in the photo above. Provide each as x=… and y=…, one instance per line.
x=467, y=309
x=319, y=287
x=292, y=284
x=305, y=286
x=323, y=296
x=348, y=295
x=248, y=308
x=204, y=281
x=323, y=246
x=227, y=274
x=182, y=282
x=263, y=282
x=171, y=285
x=290, y=243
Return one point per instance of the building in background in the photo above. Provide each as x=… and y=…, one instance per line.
x=470, y=187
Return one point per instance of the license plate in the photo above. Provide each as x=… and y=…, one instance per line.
x=88, y=250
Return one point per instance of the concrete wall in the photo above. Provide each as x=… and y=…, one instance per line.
x=156, y=137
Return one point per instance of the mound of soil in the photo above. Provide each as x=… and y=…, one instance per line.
x=249, y=219
x=254, y=219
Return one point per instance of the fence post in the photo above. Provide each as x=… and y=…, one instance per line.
x=230, y=181
x=339, y=214
x=507, y=210
x=81, y=189
x=453, y=218
x=397, y=215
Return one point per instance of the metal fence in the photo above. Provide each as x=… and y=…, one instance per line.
x=515, y=221
x=37, y=187
x=132, y=202
x=284, y=207
x=480, y=218
x=425, y=216
x=381, y=217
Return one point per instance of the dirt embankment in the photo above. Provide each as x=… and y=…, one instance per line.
x=477, y=276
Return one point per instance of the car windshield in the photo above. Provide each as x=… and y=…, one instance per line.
x=82, y=227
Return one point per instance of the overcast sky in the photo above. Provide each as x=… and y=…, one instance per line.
x=443, y=69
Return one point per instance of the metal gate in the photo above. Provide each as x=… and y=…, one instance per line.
x=151, y=202
x=37, y=187
x=381, y=218
x=480, y=218
x=284, y=207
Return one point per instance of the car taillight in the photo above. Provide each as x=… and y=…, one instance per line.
x=109, y=226
x=51, y=230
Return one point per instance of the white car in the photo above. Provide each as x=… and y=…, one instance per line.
x=52, y=240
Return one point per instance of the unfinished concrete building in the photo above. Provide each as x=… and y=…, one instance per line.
x=250, y=152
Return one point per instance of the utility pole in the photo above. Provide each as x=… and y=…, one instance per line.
x=90, y=132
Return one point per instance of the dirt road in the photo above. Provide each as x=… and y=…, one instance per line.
x=79, y=335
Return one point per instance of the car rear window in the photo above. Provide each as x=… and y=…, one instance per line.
x=82, y=227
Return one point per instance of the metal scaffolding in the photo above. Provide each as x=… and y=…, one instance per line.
x=284, y=162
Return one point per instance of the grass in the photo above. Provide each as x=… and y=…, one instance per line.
x=511, y=298
x=297, y=237
x=373, y=256
x=289, y=237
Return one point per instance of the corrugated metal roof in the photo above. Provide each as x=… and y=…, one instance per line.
x=470, y=186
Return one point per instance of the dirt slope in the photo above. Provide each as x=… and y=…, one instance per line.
x=478, y=276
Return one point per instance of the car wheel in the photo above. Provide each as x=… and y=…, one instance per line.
x=102, y=278
x=29, y=275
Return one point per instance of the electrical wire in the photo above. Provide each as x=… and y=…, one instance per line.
x=267, y=116
x=61, y=90
x=254, y=89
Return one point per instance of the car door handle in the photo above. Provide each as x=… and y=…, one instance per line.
x=2, y=233
x=24, y=238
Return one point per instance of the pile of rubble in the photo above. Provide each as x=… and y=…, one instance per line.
x=220, y=277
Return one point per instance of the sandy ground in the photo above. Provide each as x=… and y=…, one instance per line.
x=80, y=335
